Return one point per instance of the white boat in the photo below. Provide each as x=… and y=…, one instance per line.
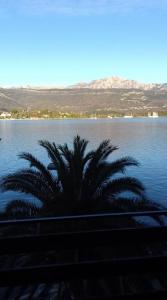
x=153, y=115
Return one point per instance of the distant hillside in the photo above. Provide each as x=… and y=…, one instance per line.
x=7, y=102
x=111, y=94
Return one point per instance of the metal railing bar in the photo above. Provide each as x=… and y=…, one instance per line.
x=81, y=239
x=93, y=269
x=81, y=217
x=154, y=295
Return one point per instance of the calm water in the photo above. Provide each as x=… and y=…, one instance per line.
x=145, y=139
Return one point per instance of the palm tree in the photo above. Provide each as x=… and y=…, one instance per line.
x=75, y=181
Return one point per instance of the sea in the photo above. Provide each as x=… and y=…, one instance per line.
x=144, y=139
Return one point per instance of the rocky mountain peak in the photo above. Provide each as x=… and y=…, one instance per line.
x=114, y=82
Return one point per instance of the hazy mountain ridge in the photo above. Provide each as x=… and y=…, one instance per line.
x=118, y=83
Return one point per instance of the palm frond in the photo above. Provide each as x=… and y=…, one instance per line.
x=53, y=153
x=57, y=161
x=97, y=157
x=21, y=207
x=66, y=153
x=120, y=165
x=87, y=158
x=105, y=171
x=34, y=162
x=132, y=204
x=104, y=150
x=120, y=185
x=29, y=182
x=80, y=145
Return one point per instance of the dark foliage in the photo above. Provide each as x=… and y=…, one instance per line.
x=75, y=182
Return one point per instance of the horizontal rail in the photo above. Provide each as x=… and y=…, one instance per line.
x=155, y=295
x=81, y=239
x=75, y=271
x=82, y=217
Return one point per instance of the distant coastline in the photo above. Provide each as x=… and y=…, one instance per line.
x=75, y=118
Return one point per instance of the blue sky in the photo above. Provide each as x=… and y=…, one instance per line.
x=60, y=42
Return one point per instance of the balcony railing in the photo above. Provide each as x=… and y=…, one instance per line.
x=147, y=261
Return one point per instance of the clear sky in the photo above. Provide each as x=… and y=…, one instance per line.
x=61, y=42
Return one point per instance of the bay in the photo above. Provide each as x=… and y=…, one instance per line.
x=145, y=139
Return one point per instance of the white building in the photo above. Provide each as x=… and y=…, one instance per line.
x=5, y=115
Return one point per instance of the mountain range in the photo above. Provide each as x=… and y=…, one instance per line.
x=103, y=95
x=116, y=82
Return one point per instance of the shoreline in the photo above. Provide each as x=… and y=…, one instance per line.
x=94, y=119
